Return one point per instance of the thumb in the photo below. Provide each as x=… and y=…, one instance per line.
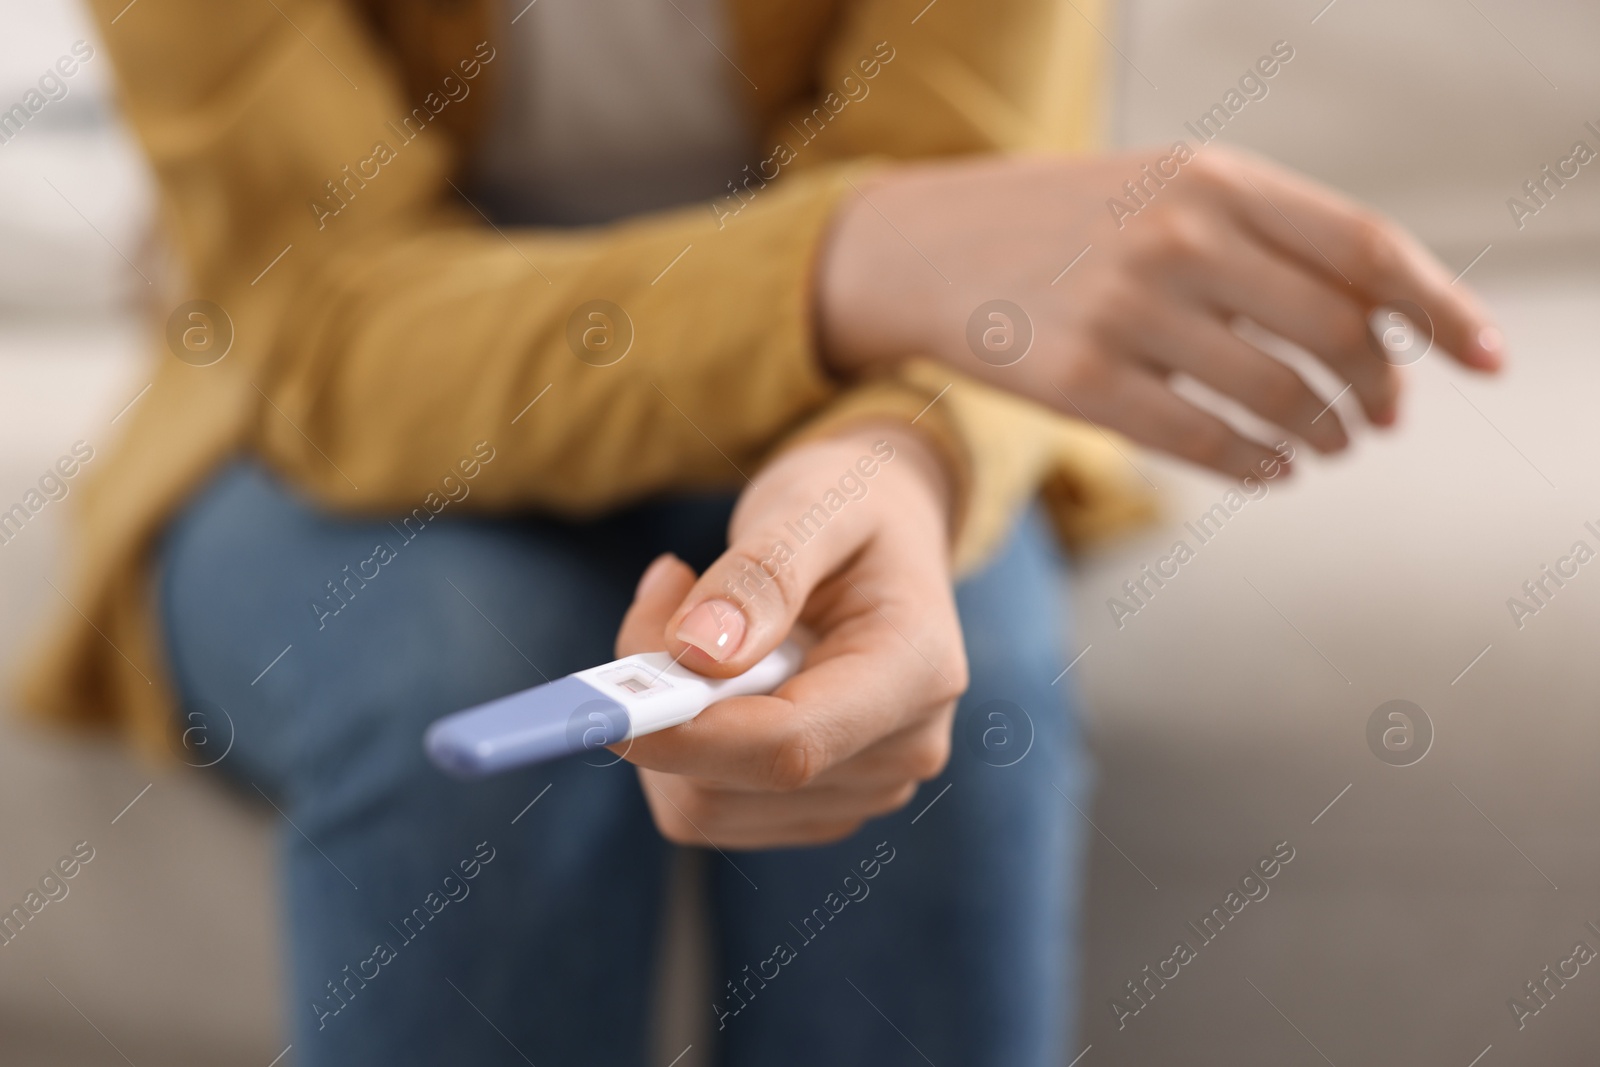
x=746, y=603
x=661, y=590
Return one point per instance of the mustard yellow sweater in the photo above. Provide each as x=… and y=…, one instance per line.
x=307, y=153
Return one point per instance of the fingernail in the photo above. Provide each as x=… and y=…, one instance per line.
x=1492, y=345
x=716, y=628
x=653, y=574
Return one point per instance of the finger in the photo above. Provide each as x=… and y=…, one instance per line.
x=1198, y=344
x=720, y=809
x=1304, y=308
x=1142, y=406
x=1372, y=255
x=748, y=600
x=763, y=838
x=865, y=682
x=919, y=753
x=661, y=589
x=664, y=794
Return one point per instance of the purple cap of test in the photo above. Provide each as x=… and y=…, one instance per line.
x=560, y=718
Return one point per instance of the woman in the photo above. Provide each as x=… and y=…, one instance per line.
x=489, y=308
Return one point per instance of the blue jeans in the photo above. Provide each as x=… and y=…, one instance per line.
x=433, y=921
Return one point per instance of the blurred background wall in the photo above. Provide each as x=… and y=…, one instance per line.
x=1226, y=715
x=1233, y=709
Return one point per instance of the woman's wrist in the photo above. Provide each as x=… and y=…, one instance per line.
x=926, y=469
x=858, y=294
x=893, y=461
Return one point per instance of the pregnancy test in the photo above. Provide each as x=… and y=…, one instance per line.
x=616, y=701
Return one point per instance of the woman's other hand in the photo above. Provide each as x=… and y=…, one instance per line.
x=1181, y=244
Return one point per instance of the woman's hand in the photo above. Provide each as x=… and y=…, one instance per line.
x=850, y=537
x=1212, y=237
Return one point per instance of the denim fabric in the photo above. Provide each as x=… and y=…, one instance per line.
x=432, y=921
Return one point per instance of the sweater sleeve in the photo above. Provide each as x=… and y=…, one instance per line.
x=384, y=326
